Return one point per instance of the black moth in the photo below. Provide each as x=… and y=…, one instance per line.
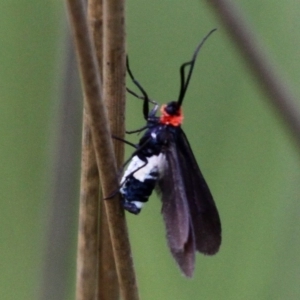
x=164, y=160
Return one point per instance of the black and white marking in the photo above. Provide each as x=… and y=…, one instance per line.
x=139, y=180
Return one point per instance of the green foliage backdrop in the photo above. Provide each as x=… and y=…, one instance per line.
x=242, y=146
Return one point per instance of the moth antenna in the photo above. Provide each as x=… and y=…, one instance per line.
x=184, y=81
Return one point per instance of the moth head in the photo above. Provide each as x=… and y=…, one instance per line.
x=171, y=114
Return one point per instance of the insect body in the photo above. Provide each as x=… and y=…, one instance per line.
x=164, y=160
x=140, y=179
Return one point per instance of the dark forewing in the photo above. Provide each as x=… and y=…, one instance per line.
x=204, y=215
x=185, y=258
x=176, y=213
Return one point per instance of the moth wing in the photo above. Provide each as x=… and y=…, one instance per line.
x=175, y=210
x=204, y=214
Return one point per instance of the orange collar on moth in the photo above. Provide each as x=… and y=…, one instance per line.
x=174, y=120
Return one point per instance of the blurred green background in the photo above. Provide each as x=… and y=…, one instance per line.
x=245, y=152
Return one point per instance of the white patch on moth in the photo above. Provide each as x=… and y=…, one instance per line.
x=138, y=204
x=153, y=135
x=154, y=164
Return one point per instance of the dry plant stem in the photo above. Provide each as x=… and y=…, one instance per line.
x=278, y=93
x=103, y=148
x=95, y=22
x=87, y=258
x=114, y=97
x=108, y=287
x=114, y=75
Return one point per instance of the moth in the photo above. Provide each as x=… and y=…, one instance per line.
x=163, y=160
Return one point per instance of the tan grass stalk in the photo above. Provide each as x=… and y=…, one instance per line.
x=104, y=152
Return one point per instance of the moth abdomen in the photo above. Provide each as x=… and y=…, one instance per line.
x=138, y=182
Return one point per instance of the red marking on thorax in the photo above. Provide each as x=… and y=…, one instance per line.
x=174, y=120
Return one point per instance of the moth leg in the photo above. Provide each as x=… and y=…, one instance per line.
x=130, y=174
x=124, y=141
x=137, y=130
